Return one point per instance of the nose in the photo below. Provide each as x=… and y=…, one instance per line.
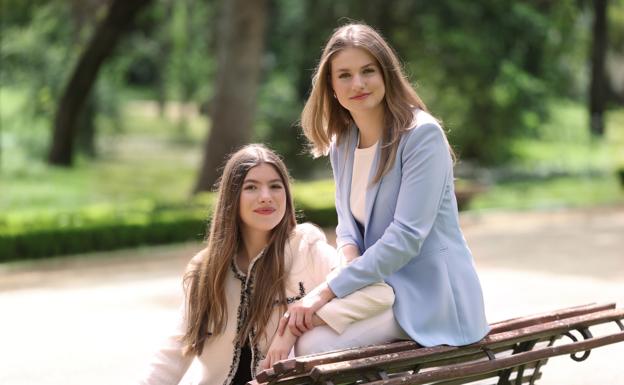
x=265, y=195
x=358, y=81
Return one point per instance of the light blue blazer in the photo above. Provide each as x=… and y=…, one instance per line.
x=412, y=238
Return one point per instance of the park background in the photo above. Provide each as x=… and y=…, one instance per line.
x=115, y=117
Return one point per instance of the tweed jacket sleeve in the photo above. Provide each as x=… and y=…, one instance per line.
x=168, y=365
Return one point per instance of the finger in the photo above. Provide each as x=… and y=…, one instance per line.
x=282, y=325
x=308, y=321
x=270, y=362
x=293, y=325
x=300, y=325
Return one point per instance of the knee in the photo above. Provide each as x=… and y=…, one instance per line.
x=316, y=340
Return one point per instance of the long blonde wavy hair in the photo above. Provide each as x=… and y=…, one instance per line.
x=324, y=119
x=206, y=310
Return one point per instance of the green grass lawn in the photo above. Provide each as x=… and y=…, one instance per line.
x=564, y=144
x=572, y=169
x=553, y=193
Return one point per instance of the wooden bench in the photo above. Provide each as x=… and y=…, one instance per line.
x=513, y=353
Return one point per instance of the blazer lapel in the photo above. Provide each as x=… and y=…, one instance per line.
x=371, y=192
x=346, y=182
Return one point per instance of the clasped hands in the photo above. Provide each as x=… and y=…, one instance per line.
x=301, y=315
x=299, y=318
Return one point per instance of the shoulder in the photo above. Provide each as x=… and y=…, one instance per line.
x=341, y=142
x=422, y=118
x=308, y=251
x=425, y=130
x=306, y=234
x=424, y=123
x=195, y=262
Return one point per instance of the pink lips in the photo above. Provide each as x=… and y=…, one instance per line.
x=265, y=211
x=360, y=96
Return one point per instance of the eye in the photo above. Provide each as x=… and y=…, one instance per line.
x=344, y=75
x=277, y=186
x=369, y=70
x=249, y=187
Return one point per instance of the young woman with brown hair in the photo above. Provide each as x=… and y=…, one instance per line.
x=256, y=261
x=397, y=213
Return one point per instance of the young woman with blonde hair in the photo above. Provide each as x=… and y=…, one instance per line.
x=397, y=213
x=256, y=261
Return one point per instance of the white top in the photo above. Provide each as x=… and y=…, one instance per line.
x=362, y=162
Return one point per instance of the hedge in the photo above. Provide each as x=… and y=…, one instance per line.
x=32, y=236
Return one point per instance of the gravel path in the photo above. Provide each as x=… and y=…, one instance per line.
x=96, y=320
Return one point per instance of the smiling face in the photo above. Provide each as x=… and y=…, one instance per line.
x=357, y=80
x=262, y=200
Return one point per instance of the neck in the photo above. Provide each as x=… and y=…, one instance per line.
x=253, y=242
x=370, y=124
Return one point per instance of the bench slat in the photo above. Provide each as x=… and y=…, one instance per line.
x=409, y=359
x=304, y=364
x=520, y=322
x=470, y=369
x=525, y=379
x=366, y=363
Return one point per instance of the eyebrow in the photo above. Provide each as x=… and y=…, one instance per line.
x=256, y=181
x=347, y=69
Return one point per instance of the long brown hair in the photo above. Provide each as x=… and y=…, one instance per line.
x=324, y=119
x=206, y=310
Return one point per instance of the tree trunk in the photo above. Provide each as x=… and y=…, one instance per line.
x=239, y=55
x=85, y=137
x=120, y=15
x=597, y=92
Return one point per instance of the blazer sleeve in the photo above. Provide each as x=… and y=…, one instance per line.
x=343, y=235
x=425, y=169
x=341, y=312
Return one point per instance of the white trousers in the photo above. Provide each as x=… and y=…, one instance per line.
x=379, y=329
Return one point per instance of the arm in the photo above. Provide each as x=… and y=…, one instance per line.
x=338, y=313
x=425, y=170
x=282, y=345
x=169, y=365
x=279, y=350
x=348, y=253
x=367, y=302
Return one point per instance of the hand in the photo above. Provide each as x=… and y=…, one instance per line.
x=300, y=315
x=279, y=350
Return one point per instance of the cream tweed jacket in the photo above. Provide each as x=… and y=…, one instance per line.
x=309, y=260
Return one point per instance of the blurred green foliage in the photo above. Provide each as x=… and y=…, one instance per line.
x=96, y=228
x=487, y=68
x=553, y=193
x=507, y=78
x=40, y=233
